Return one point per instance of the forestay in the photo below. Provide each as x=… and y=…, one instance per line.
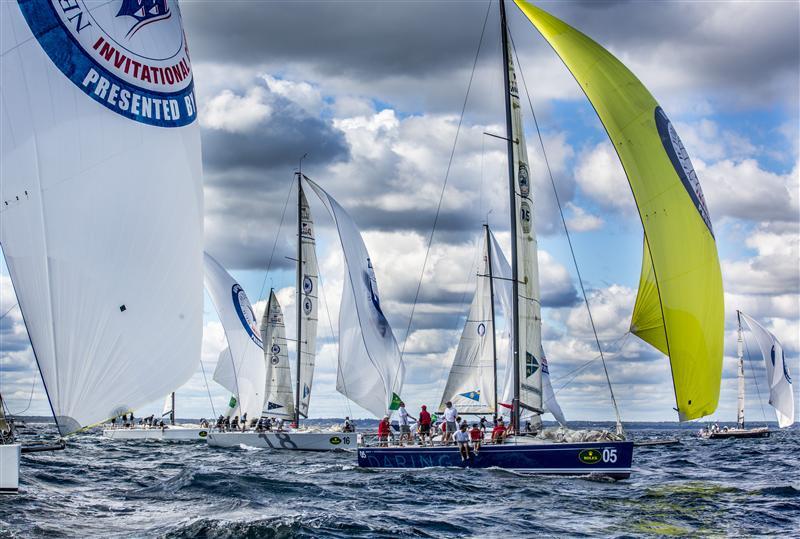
x=309, y=302
x=781, y=396
x=101, y=202
x=240, y=368
x=679, y=308
x=279, y=400
x=370, y=371
x=471, y=382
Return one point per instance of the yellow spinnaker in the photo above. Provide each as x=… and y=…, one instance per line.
x=679, y=308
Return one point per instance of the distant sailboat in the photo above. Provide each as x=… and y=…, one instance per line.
x=779, y=382
x=679, y=309
x=101, y=209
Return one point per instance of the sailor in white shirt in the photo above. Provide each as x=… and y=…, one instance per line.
x=450, y=415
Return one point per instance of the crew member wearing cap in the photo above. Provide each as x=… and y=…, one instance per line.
x=424, y=425
x=383, y=431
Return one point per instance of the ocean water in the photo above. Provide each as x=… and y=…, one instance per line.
x=104, y=488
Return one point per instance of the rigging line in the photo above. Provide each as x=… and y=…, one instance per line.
x=595, y=358
x=333, y=336
x=208, y=389
x=275, y=242
x=30, y=399
x=583, y=366
x=566, y=231
x=8, y=311
x=444, y=186
x=755, y=381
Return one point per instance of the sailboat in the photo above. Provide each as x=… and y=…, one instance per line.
x=160, y=430
x=101, y=209
x=779, y=382
x=679, y=307
x=284, y=399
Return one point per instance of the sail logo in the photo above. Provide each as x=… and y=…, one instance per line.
x=308, y=284
x=274, y=360
x=308, y=306
x=372, y=286
x=276, y=349
x=523, y=180
x=273, y=405
x=130, y=56
x=245, y=312
x=772, y=355
x=481, y=329
x=306, y=390
x=683, y=165
x=531, y=365
x=545, y=367
x=471, y=395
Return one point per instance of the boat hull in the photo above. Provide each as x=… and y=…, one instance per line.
x=171, y=434
x=611, y=459
x=762, y=432
x=9, y=468
x=292, y=441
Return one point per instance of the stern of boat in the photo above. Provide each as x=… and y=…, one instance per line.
x=9, y=468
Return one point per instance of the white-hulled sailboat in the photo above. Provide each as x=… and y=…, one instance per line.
x=101, y=206
x=679, y=307
x=779, y=382
x=370, y=372
x=156, y=428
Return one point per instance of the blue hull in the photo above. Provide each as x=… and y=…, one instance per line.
x=611, y=459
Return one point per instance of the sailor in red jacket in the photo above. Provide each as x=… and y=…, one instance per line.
x=424, y=423
x=383, y=431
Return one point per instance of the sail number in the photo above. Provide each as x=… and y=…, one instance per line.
x=610, y=455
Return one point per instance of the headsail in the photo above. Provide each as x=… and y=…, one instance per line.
x=279, y=400
x=471, y=383
x=679, y=309
x=370, y=371
x=308, y=309
x=779, y=380
x=240, y=368
x=101, y=205
x=502, y=272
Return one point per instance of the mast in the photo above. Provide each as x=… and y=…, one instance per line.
x=513, y=214
x=740, y=376
x=491, y=300
x=172, y=413
x=298, y=291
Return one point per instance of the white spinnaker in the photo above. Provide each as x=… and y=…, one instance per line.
x=279, y=397
x=470, y=384
x=309, y=303
x=370, y=370
x=244, y=373
x=781, y=396
x=101, y=223
x=501, y=270
x=528, y=294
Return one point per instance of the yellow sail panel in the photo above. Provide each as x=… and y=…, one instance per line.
x=647, y=322
x=683, y=254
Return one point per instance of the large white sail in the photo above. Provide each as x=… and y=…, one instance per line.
x=779, y=380
x=370, y=371
x=528, y=296
x=308, y=304
x=501, y=270
x=471, y=383
x=279, y=399
x=101, y=202
x=240, y=368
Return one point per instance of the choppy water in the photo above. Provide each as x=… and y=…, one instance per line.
x=104, y=488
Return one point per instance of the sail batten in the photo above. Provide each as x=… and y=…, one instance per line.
x=682, y=282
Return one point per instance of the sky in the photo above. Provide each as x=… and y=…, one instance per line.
x=373, y=93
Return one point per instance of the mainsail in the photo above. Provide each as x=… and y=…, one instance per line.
x=308, y=304
x=779, y=380
x=370, y=371
x=240, y=368
x=101, y=207
x=679, y=308
x=528, y=306
x=278, y=399
x=471, y=385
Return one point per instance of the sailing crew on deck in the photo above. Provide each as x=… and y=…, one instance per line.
x=450, y=418
x=476, y=437
x=235, y=423
x=383, y=431
x=244, y=422
x=499, y=432
x=405, y=428
x=483, y=424
x=424, y=424
x=462, y=439
x=348, y=425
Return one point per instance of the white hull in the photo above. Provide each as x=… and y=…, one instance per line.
x=293, y=441
x=171, y=434
x=9, y=468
